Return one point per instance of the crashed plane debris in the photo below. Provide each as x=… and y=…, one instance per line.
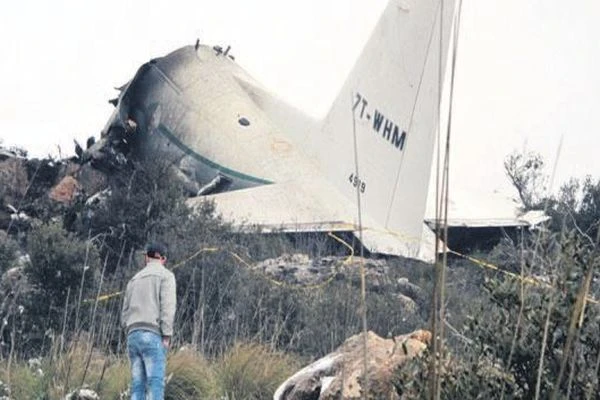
x=229, y=140
x=267, y=165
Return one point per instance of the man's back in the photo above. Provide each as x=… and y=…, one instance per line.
x=147, y=315
x=149, y=302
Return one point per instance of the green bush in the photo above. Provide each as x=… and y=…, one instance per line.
x=62, y=267
x=512, y=329
x=58, y=261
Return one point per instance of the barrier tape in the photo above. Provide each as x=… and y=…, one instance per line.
x=483, y=264
x=527, y=279
x=240, y=260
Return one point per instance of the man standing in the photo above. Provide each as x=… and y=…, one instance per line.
x=147, y=316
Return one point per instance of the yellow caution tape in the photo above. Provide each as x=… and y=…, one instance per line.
x=240, y=260
x=196, y=254
x=483, y=264
x=527, y=279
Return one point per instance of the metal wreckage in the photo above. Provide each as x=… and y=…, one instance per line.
x=267, y=165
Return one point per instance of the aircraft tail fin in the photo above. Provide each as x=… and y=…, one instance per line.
x=388, y=111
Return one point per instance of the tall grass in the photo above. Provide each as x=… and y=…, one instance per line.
x=25, y=382
x=246, y=371
x=253, y=371
x=190, y=376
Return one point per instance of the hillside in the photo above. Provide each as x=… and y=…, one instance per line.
x=71, y=232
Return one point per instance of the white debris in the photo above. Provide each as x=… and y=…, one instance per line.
x=83, y=394
x=23, y=260
x=34, y=363
x=324, y=365
x=98, y=198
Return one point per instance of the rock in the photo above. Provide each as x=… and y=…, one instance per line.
x=300, y=269
x=13, y=180
x=297, y=269
x=340, y=374
x=65, y=191
x=409, y=289
x=4, y=391
x=12, y=275
x=407, y=304
x=34, y=363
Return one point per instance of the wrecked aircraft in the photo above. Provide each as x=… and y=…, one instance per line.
x=265, y=164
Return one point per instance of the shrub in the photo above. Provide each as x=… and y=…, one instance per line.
x=516, y=339
x=58, y=260
x=62, y=266
x=8, y=252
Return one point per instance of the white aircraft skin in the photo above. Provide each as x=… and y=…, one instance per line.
x=266, y=164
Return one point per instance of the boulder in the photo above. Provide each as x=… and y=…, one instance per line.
x=300, y=269
x=65, y=191
x=340, y=374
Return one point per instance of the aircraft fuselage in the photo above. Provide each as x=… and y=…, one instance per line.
x=189, y=109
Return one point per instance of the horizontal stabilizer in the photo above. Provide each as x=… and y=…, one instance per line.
x=309, y=207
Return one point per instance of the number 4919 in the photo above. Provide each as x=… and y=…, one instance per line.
x=357, y=182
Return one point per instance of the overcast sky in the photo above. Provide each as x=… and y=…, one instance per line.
x=527, y=71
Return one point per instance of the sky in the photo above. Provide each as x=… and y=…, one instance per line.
x=526, y=79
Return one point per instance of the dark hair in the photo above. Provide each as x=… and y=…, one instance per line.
x=156, y=250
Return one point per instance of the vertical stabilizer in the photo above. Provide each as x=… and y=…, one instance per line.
x=393, y=93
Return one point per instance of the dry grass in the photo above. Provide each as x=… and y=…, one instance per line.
x=253, y=371
x=115, y=380
x=189, y=377
x=246, y=371
x=25, y=383
x=78, y=366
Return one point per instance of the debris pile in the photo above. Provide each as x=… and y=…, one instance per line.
x=34, y=189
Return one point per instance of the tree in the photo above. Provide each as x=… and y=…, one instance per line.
x=526, y=173
x=578, y=206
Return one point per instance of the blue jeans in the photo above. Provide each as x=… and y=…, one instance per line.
x=148, y=358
